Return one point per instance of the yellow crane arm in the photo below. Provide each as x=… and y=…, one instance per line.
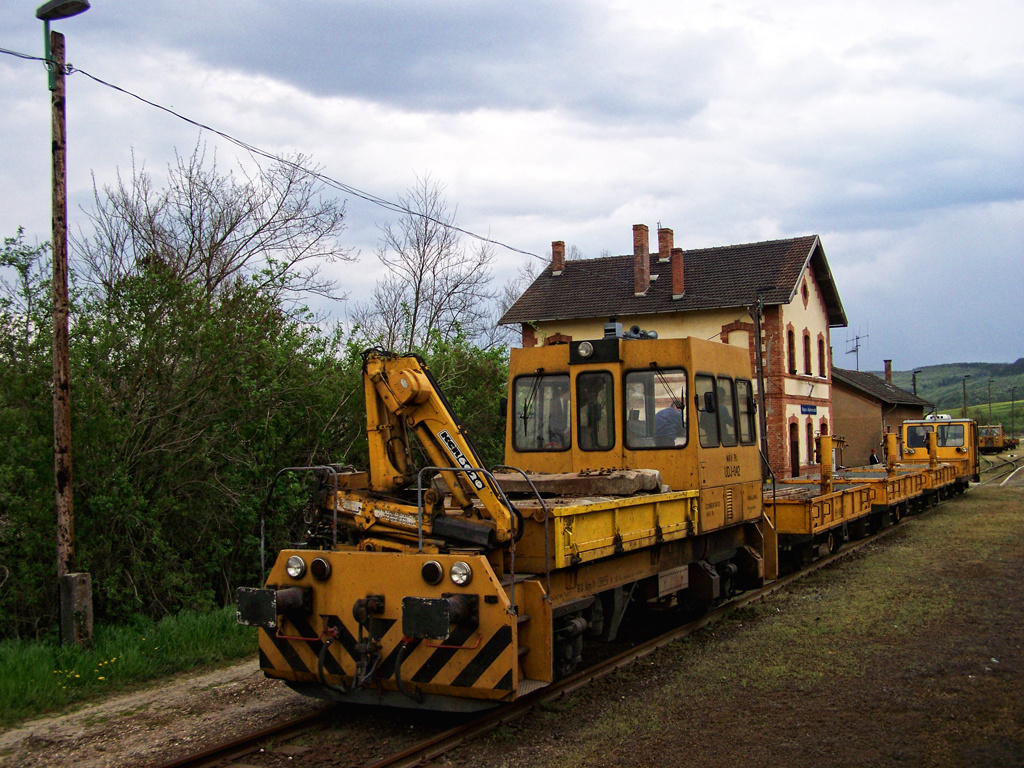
x=401, y=394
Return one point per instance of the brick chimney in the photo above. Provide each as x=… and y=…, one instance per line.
x=664, y=244
x=641, y=260
x=678, y=286
x=557, y=257
x=888, y=371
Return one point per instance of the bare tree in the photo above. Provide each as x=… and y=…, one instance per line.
x=210, y=228
x=434, y=283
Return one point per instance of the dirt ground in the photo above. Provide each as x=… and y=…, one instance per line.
x=150, y=726
x=948, y=691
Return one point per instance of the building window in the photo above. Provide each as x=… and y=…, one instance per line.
x=791, y=339
x=810, y=444
x=807, y=354
x=822, y=368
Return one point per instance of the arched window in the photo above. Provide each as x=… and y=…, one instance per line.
x=807, y=354
x=810, y=443
x=791, y=339
x=822, y=367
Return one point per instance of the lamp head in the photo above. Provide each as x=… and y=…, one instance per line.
x=61, y=9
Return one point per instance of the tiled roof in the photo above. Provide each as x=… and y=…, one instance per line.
x=714, y=278
x=877, y=388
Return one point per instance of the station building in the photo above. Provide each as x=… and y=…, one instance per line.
x=711, y=293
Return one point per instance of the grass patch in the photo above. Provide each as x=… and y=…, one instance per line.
x=42, y=676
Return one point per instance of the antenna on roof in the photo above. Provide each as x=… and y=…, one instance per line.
x=856, y=347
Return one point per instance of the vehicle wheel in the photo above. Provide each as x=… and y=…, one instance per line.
x=834, y=540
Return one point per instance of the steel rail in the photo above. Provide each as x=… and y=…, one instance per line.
x=230, y=751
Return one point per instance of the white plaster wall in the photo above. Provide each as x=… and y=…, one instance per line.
x=814, y=318
x=703, y=325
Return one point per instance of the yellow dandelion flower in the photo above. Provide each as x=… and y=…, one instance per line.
x=101, y=678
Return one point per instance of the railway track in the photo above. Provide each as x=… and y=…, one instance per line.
x=243, y=749
x=1001, y=471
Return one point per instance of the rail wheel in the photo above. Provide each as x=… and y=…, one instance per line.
x=834, y=540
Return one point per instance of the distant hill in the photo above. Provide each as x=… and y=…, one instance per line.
x=944, y=386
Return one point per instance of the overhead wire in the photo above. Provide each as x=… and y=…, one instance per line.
x=257, y=151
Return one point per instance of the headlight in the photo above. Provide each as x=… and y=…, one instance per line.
x=432, y=572
x=586, y=349
x=320, y=568
x=460, y=573
x=295, y=567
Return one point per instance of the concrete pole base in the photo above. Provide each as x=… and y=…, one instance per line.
x=76, y=609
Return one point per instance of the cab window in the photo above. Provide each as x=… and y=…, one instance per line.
x=595, y=402
x=745, y=411
x=950, y=435
x=727, y=410
x=707, y=419
x=540, y=419
x=917, y=435
x=656, y=413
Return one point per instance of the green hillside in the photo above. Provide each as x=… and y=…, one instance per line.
x=944, y=386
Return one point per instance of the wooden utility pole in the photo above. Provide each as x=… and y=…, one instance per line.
x=75, y=588
x=61, y=373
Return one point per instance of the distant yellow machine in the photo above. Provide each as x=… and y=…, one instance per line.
x=944, y=440
x=992, y=439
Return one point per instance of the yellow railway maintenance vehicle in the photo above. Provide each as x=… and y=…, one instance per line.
x=849, y=503
x=807, y=512
x=941, y=440
x=992, y=439
x=636, y=480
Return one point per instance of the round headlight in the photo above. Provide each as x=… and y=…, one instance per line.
x=432, y=572
x=460, y=573
x=295, y=567
x=320, y=568
x=586, y=349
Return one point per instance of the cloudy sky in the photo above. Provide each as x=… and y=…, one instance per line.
x=895, y=131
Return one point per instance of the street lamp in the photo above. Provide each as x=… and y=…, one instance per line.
x=54, y=11
x=75, y=588
x=966, y=377
x=914, y=379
